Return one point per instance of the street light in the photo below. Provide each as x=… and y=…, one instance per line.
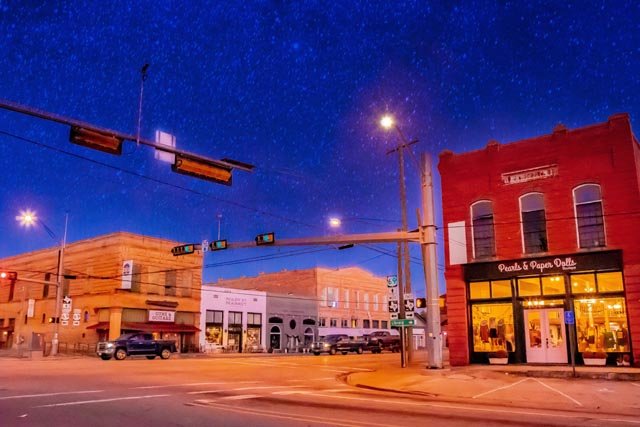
x=335, y=222
x=28, y=218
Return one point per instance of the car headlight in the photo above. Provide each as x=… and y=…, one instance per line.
x=109, y=344
x=326, y=345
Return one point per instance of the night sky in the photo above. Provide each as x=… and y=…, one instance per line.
x=296, y=88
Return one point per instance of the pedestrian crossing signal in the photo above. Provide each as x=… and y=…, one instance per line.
x=421, y=302
x=265, y=239
x=184, y=249
x=218, y=245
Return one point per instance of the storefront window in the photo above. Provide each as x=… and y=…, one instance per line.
x=601, y=324
x=479, y=290
x=609, y=282
x=492, y=327
x=529, y=286
x=552, y=285
x=253, y=336
x=213, y=334
x=501, y=289
x=583, y=283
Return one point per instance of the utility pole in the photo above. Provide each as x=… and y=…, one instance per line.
x=429, y=257
x=403, y=354
x=56, y=327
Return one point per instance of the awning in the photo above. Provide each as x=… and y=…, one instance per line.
x=147, y=327
x=102, y=326
x=6, y=328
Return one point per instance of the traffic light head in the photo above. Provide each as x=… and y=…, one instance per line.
x=8, y=275
x=421, y=303
x=218, y=245
x=184, y=249
x=97, y=140
x=265, y=239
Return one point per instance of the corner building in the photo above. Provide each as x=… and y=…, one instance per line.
x=541, y=247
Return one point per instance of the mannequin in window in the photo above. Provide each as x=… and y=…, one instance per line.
x=484, y=331
x=501, y=332
x=622, y=337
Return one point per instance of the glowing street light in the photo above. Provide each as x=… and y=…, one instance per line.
x=27, y=218
x=335, y=222
x=387, y=122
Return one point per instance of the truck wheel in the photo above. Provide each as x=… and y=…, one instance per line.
x=344, y=352
x=165, y=353
x=333, y=351
x=317, y=353
x=120, y=354
x=151, y=357
x=105, y=356
x=359, y=350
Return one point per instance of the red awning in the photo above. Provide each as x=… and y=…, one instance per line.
x=147, y=327
x=103, y=326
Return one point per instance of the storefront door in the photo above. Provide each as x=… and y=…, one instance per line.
x=545, y=335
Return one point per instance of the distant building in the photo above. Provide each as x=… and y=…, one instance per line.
x=114, y=283
x=541, y=238
x=350, y=301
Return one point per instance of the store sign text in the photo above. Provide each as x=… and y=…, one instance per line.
x=161, y=316
x=565, y=264
x=529, y=174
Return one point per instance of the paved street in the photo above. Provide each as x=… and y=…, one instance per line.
x=303, y=390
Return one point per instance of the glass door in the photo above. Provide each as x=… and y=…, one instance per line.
x=544, y=335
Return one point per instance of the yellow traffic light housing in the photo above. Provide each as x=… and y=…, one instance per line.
x=92, y=138
x=421, y=302
x=203, y=169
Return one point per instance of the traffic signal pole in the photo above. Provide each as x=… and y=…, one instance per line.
x=429, y=257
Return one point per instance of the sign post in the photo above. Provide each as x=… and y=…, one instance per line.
x=570, y=320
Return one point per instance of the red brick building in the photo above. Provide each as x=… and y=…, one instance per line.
x=541, y=245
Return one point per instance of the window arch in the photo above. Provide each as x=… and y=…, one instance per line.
x=587, y=200
x=482, y=229
x=308, y=337
x=533, y=223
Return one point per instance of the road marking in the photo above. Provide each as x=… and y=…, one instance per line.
x=206, y=391
x=558, y=391
x=176, y=385
x=266, y=387
x=86, y=402
x=288, y=392
x=240, y=397
x=500, y=388
x=334, y=390
x=313, y=379
x=334, y=370
x=637, y=385
x=23, y=396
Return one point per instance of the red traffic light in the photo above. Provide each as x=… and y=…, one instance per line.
x=8, y=275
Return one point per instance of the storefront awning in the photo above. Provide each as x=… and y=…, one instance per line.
x=147, y=327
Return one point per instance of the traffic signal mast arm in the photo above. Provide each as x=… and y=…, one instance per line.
x=387, y=237
x=224, y=163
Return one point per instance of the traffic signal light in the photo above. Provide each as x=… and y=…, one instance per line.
x=265, y=239
x=204, y=169
x=97, y=140
x=218, y=245
x=8, y=275
x=184, y=249
x=421, y=302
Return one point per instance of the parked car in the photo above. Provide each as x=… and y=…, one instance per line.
x=333, y=344
x=328, y=344
x=135, y=344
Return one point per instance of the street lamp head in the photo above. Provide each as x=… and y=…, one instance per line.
x=27, y=218
x=335, y=222
x=387, y=121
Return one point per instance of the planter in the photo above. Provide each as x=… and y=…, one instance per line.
x=595, y=362
x=498, y=360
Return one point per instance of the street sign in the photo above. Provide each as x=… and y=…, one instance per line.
x=394, y=306
x=205, y=246
x=408, y=314
x=392, y=281
x=393, y=316
x=393, y=292
x=402, y=322
x=569, y=318
x=409, y=303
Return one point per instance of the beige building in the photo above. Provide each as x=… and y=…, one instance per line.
x=114, y=283
x=350, y=300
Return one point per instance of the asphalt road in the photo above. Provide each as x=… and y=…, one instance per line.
x=283, y=390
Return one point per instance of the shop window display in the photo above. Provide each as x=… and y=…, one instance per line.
x=601, y=325
x=529, y=286
x=492, y=327
x=213, y=334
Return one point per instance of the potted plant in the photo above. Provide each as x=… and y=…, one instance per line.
x=500, y=357
x=598, y=358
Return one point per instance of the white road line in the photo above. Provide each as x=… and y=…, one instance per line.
x=500, y=388
x=176, y=385
x=240, y=397
x=206, y=391
x=334, y=370
x=558, y=391
x=265, y=387
x=24, y=396
x=86, y=402
x=637, y=385
x=288, y=392
x=334, y=390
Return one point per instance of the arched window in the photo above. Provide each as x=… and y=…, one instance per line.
x=534, y=225
x=275, y=320
x=589, y=216
x=308, y=337
x=482, y=229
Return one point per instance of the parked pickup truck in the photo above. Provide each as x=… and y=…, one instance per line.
x=136, y=344
x=333, y=344
x=385, y=340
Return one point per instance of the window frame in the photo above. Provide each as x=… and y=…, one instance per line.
x=575, y=214
x=526, y=250
x=473, y=230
